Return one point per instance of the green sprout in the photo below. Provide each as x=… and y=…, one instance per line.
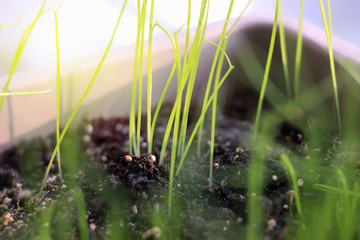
x=77, y=107
x=292, y=175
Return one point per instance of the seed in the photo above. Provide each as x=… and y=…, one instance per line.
x=274, y=177
x=128, y=158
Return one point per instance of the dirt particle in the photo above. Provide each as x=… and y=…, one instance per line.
x=7, y=219
x=300, y=182
x=89, y=129
x=271, y=224
x=144, y=195
x=24, y=195
x=86, y=138
x=7, y=201
x=223, y=183
x=152, y=233
x=92, y=227
x=134, y=209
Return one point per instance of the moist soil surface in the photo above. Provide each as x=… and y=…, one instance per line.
x=108, y=193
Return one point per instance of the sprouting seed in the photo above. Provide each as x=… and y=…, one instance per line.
x=128, y=158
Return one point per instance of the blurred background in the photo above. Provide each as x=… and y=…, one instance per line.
x=85, y=26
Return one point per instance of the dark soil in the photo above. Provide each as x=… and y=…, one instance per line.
x=125, y=195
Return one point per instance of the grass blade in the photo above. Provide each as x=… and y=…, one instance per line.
x=292, y=175
x=20, y=49
x=331, y=59
x=267, y=70
x=77, y=107
x=284, y=53
x=149, y=81
x=298, y=52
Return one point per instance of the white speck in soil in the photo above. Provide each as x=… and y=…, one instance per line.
x=274, y=177
x=89, y=129
x=92, y=227
x=300, y=182
x=271, y=224
x=86, y=138
x=134, y=209
x=152, y=233
x=7, y=201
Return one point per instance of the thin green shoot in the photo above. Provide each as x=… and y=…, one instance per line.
x=140, y=90
x=292, y=175
x=77, y=107
x=298, y=54
x=347, y=204
x=182, y=79
x=81, y=213
x=202, y=115
x=334, y=190
x=176, y=111
x=239, y=17
x=329, y=16
x=149, y=80
x=46, y=222
x=181, y=72
x=20, y=49
x=187, y=38
x=284, y=53
x=132, y=130
x=177, y=63
x=185, y=116
x=58, y=89
x=14, y=25
x=24, y=39
x=172, y=72
x=216, y=82
x=332, y=64
x=267, y=70
x=24, y=93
